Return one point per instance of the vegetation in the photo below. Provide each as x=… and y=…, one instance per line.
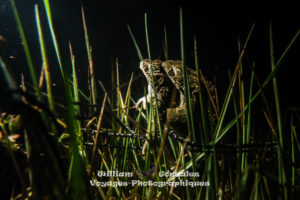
x=58, y=151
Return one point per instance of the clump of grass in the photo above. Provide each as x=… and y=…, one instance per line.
x=63, y=155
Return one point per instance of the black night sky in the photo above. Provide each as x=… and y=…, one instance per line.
x=216, y=26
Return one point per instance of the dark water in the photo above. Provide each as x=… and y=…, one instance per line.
x=216, y=27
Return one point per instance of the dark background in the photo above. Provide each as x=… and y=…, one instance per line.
x=216, y=26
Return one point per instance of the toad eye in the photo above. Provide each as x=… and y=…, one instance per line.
x=171, y=73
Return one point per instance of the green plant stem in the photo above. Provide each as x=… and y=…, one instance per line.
x=281, y=171
x=45, y=59
x=89, y=53
x=26, y=50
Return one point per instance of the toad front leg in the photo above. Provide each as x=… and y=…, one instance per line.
x=144, y=100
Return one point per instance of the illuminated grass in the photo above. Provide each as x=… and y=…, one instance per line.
x=61, y=165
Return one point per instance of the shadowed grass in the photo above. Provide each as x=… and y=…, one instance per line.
x=281, y=170
x=236, y=176
x=26, y=50
x=45, y=60
x=11, y=82
x=135, y=44
x=77, y=173
x=74, y=82
x=89, y=53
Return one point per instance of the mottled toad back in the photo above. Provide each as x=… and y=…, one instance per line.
x=174, y=70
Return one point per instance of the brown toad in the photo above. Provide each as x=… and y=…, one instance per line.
x=163, y=87
x=166, y=76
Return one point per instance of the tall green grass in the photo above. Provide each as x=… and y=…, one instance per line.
x=26, y=49
x=45, y=59
x=57, y=148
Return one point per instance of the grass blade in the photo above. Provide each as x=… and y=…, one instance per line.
x=187, y=94
x=265, y=83
x=6, y=71
x=135, y=44
x=201, y=102
x=89, y=53
x=165, y=44
x=74, y=75
x=77, y=173
x=45, y=59
x=230, y=90
x=26, y=50
x=281, y=171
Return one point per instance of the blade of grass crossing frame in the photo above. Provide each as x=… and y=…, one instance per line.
x=12, y=84
x=162, y=142
x=203, y=114
x=153, y=84
x=135, y=44
x=281, y=171
x=155, y=97
x=221, y=133
x=265, y=83
x=79, y=91
x=147, y=39
x=26, y=50
x=89, y=53
x=77, y=171
x=166, y=43
x=248, y=126
x=54, y=40
x=241, y=138
x=45, y=59
x=296, y=139
x=218, y=134
x=127, y=105
x=230, y=90
x=293, y=131
x=124, y=115
x=275, y=90
x=241, y=99
x=74, y=75
x=187, y=95
x=118, y=88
